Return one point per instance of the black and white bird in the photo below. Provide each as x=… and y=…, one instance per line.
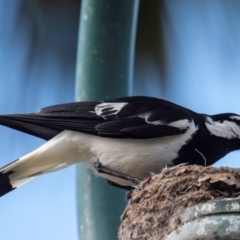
x=132, y=135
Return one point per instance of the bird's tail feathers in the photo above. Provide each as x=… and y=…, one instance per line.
x=5, y=185
x=8, y=180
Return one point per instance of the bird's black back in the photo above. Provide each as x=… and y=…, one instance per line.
x=128, y=122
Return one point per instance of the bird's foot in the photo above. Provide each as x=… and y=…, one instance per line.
x=101, y=169
x=128, y=196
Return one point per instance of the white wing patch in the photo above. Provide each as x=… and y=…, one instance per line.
x=225, y=129
x=113, y=108
x=181, y=124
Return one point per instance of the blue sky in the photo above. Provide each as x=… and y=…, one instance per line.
x=203, y=73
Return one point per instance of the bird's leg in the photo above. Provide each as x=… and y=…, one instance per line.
x=101, y=169
x=128, y=188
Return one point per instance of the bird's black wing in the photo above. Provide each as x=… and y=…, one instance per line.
x=50, y=121
x=129, y=117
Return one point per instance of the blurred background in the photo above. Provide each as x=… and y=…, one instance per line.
x=187, y=52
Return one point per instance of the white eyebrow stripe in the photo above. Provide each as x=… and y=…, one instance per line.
x=235, y=117
x=225, y=129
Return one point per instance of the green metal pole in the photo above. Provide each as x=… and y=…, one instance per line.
x=104, y=71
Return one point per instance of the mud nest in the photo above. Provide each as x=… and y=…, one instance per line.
x=154, y=209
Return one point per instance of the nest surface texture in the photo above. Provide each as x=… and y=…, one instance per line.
x=154, y=209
